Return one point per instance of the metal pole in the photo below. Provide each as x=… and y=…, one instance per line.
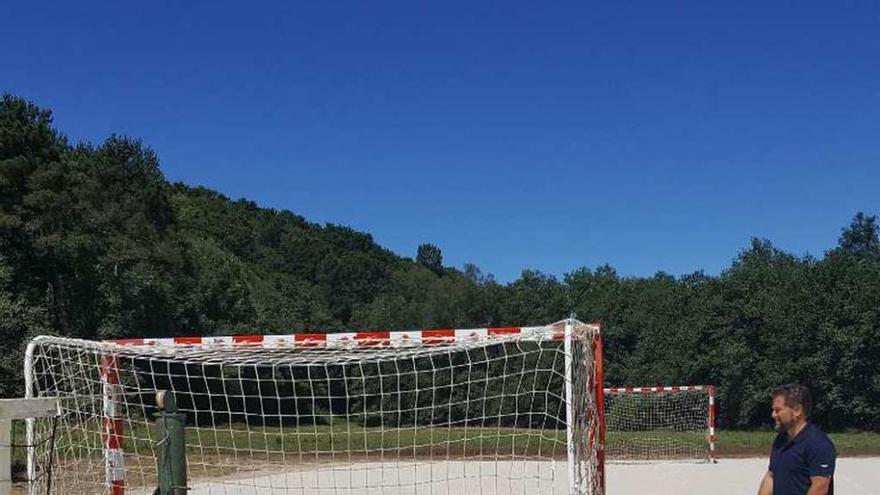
x=29, y=422
x=114, y=426
x=712, y=457
x=573, y=482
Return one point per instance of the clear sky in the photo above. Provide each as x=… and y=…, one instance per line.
x=547, y=135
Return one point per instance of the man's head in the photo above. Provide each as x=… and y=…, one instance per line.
x=791, y=407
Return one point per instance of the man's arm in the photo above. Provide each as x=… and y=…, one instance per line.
x=819, y=485
x=821, y=458
x=766, y=487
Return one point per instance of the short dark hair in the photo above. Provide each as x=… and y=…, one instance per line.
x=795, y=394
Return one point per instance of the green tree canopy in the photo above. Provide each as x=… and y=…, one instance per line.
x=95, y=243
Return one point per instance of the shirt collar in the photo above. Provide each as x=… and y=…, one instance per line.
x=804, y=433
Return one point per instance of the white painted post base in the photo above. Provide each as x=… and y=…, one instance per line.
x=5, y=456
x=18, y=409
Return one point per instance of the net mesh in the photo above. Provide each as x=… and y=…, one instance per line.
x=486, y=416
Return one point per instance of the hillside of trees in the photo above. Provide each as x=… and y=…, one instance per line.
x=95, y=243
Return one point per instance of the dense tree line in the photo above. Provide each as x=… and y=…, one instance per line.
x=95, y=243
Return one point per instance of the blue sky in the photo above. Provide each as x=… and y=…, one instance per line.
x=651, y=135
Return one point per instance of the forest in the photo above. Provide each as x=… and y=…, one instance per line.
x=95, y=243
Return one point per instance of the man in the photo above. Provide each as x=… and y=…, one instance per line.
x=802, y=458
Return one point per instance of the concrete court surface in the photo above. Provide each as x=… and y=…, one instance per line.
x=855, y=476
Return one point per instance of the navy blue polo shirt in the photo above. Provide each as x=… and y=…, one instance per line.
x=794, y=461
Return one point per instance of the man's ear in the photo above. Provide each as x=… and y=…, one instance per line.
x=798, y=411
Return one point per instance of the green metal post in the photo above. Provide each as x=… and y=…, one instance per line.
x=171, y=433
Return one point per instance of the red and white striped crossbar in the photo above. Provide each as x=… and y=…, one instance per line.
x=359, y=339
x=709, y=389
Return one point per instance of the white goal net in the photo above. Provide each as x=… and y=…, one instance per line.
x=483, y=411
x=660, y=423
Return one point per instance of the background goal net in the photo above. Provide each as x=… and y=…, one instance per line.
x=489, y=411
x=660, y=423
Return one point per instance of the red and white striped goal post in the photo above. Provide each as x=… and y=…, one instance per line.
x=711, y=413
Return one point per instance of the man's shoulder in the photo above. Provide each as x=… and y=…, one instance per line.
x=819, y=439
x=817, y=432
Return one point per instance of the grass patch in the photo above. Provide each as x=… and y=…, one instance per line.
x=757, y=443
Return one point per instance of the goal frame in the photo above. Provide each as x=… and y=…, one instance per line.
x=711, y=454
x=562, y=331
